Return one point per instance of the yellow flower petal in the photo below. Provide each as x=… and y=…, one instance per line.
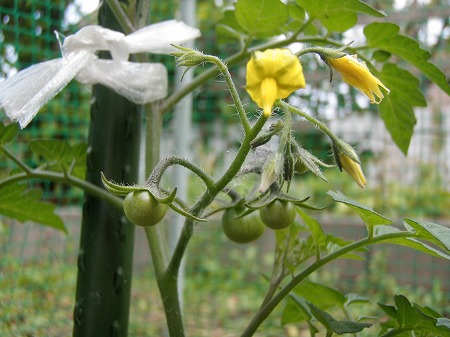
x=273, y=74
x=353, y=169
x=269, y=90
x=357, y=74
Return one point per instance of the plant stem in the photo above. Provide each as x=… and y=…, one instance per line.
x=309, y=118
x=234, y=94
x=16, y=160
x=265, y=311
x=163, y=165
x=155, y=235
x=211, y=193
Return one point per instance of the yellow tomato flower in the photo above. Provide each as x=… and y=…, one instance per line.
x=358, y=75
x=353, y=169
x=273, y=74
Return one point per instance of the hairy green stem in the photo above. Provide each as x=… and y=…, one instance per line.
x=265, y=310
x=163, y=165
x=234, y=94
x=309, y=118
x=211, y=193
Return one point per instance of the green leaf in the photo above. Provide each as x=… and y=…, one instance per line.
x=396, y=109
x=297, y=310
x=354, y=298
x=8, y=133
x=399, y=119
x=321, y=295
x=381, y=55
x=385, y=36
x=367, y=214
x=79, y=154
x=335, y=243
x=228, y=28
x=411, y=318
x=261, y=18
x=53, y=151
x=21, y=204
x=295, y=12
x=337, y=16
x=333, y=325
x=314, y=226
x=403, y=83
x=408, y=242
x=437, y=234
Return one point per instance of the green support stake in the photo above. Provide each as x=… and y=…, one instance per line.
x=106, y=243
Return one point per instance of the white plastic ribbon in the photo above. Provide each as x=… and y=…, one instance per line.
x=24, y=94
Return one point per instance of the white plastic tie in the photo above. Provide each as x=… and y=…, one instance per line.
x=25, y=93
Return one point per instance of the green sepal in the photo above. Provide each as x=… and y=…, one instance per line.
x=186, y=213
x=118, y=189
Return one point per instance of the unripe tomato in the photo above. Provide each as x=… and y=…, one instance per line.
x=242, y=230
x=142, y=209
x=278, y=214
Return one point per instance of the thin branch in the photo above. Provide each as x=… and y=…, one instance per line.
x=67, y=180
x=262, y=314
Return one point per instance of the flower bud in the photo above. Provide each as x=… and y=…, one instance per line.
x=345, y=159
x=187, y=57
x=356, y=74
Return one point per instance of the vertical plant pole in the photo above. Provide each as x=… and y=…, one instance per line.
x=106, y=243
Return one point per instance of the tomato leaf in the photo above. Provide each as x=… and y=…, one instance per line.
x=410, y=317
x=397, y=108
x=408, y=242
x=385, y=36
x=321, y=295
x=333, y=325
x=434, y=233
x=228, y=28
x=338, y=16
x=53, y=151
x=367, y=214
x=261, y=18
x=24, y=205
x=8, y=133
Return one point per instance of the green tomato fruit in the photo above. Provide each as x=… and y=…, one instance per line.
x=142, y=209
x=278, y=214
x=242, y=230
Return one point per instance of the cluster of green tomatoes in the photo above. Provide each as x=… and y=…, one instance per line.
x=142, y=209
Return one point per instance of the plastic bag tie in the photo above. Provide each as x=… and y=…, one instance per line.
x=25, y=93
